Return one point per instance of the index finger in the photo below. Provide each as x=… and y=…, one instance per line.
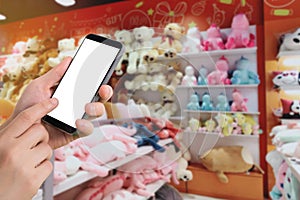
x=31, y=115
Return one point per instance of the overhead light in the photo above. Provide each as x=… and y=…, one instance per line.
x=2, y=17
x=66, y=3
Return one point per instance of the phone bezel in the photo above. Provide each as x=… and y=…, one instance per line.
x=66, y=127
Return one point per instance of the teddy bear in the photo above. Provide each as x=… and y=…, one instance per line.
x=66, y=47
x=242, y=74
x=169, y=44
x=231, y=159
x=189, y=79
x=173, y=78
x=126, y=38
x=214, y=40
x=290, y=41
x=48, y=50
x=166, y=107
x=30, y=56
x=220, y=74
x=141, y=44
x=240, y=36
x=193, y=41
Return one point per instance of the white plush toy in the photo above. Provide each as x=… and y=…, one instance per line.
x=142, y=44
x=66, y=48
x=126, y=38
x=291, y=41
x=193, y=41
x=182, y=172
x=189, y=79
x=30, y=56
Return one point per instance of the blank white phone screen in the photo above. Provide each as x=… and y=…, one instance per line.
x=82, y=79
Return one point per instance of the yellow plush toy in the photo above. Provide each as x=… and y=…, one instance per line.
x=231, y=159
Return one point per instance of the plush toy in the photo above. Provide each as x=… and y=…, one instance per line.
x=242, y=74
x=141, y=45
x=222, y=103
x=170, y=43
x=48, y=50
x=31, y=54
x=194, y=102
x=220, y=74
x=206, y=104
x=202, y=80
x=290, y=41
x=19, y=47
x=167, y=107
x=66, y=47
x=194, y=125
x=210, y=125
x=239, y=102
x=193, y=43
x=231, y=159
x=139, y=82
x=290, y=108
x=189, y=79
x=173, y=78
x=243, y=124
x=214, y=40
x=276, y=161
x=225, y=124
x=291, y=186
x=99, y=189
x=286, y=78
x=240, y=35
x=126, y=38
x=144, y=136
x=182, y=172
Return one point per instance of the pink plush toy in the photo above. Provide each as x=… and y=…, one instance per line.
x=219, y=76
x=214, y=39
x=239, y=102
x=106, y=133
x=100, y=188
x=134, y=171
x=240, y=35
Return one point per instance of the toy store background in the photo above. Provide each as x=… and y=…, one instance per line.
x=273, y=23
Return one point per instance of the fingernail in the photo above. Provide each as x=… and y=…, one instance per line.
x=53, y=101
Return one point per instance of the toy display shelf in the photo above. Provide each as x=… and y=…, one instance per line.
x=288, y=53
x=83, y=176
x=217, y=86
x=200, y=142
x=294, y=166
x=215, y=112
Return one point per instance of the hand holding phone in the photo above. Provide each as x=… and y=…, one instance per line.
x=92, y=66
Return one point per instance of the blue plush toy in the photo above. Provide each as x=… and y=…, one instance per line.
x=242, y=75
x=202, y=80
x=206, y=102
x=194, y=102
x=144, y=136
x=222, y=104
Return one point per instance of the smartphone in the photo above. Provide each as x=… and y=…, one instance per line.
x=92, y=66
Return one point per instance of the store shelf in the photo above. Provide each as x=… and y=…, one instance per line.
x=288, y=53
x=216, y=112
x=216, y=86
x=225, y=52
x=83, y=176
x=221, y=136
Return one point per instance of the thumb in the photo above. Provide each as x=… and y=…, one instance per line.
x=54, y=75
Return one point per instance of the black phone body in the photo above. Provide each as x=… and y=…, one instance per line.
x=91, y=67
